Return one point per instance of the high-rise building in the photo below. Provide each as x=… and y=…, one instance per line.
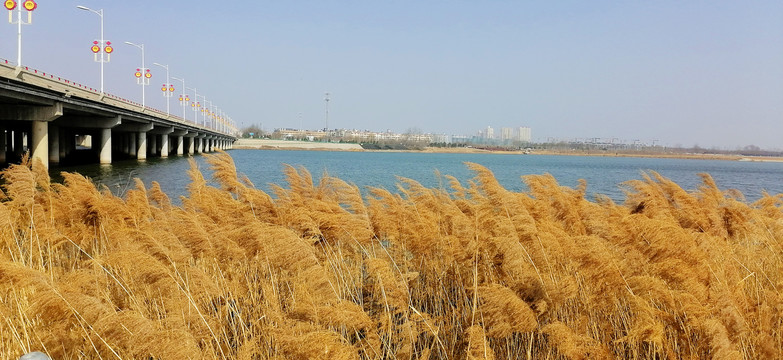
x=489, y=133
x=506, y=134
x=523, y=134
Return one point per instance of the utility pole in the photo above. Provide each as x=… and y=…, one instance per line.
x=327, y=114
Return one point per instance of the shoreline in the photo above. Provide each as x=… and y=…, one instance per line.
x=264, y=144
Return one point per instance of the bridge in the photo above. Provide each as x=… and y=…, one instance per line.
x=61, y=121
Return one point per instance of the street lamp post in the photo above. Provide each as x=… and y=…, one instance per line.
x=193, y=105
x=327, y=116
x=208, y=111
x=143, y=75
x=104, y=47
x=182, y=97
x=28, y=5
x=200, y=108
x=168, y=89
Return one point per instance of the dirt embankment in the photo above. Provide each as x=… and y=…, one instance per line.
x=266, y=144
x=294, y=145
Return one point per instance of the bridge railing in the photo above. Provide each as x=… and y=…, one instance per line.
x=96, y=95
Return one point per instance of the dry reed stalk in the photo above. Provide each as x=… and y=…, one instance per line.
x=504, y=313
x=478, y=347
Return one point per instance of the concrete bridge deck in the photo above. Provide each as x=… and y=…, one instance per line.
x=58, y=120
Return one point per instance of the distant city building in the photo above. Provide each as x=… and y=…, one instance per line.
x=490, y=133
x=506, y=134
x=442, y=138
x=523, y=134
x=460, y=139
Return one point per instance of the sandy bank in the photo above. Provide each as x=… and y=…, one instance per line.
x=267, y=144
x=294, y=145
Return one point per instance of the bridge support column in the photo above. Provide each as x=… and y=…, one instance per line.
x=164, y=145
x=201, y=145
x=180, y=145
x=64, y=133
x=132, y=144
x=153, y=140
x=141, y=148
x=191, y=146
x=54, y=144
x=105, y=146
x=125, y=148
x=39, y=145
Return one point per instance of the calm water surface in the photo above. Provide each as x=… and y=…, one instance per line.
x=604, y=175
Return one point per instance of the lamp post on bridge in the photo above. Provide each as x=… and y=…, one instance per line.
x=201, y=109
x=143, y=75
x=168, y=88
x=28, y=5
x=183, y=98
x=208, y=110
x=102, y=45
x=193, y=105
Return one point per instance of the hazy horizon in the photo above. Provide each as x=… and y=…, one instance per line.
x=696, y=73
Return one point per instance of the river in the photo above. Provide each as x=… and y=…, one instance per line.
x=604, y=175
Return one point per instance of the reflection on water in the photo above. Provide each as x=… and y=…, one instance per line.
x=119, y=177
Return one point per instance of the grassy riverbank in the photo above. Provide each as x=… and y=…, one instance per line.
x=318, y=272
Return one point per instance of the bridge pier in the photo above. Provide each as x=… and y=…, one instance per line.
x=141, y=148
x=132, y=144
x=164, y=145
x=153, y=140
x=178, y=138
x=180, y=145
x=40, y=142
x=124, y=147
x=66, y=142
x=191, y=145
x=105, y=146
x=54, y=144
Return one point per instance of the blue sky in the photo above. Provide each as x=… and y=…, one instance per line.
x=707, y=73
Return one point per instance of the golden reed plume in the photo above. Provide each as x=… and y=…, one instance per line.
x=317, y=270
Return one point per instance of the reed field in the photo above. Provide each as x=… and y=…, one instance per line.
x=320, y=269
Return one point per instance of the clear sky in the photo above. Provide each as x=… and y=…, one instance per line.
x=707, y=73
